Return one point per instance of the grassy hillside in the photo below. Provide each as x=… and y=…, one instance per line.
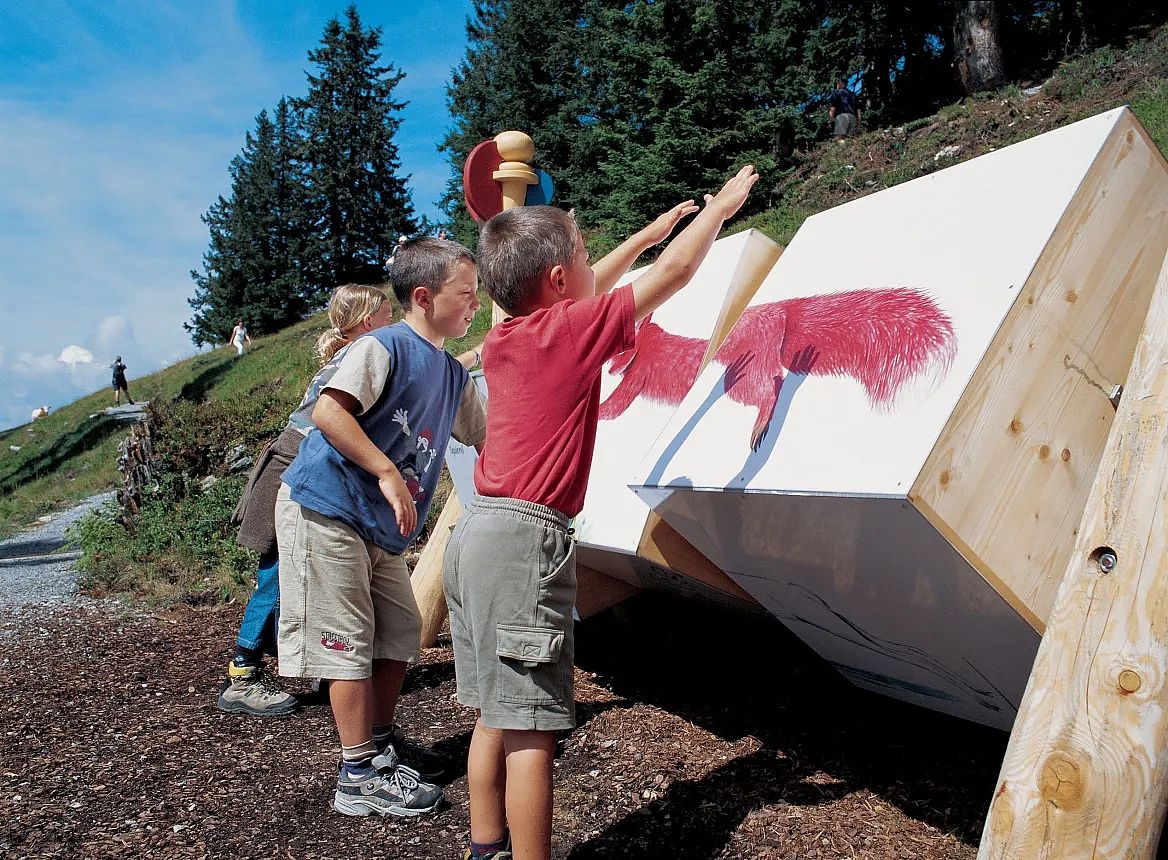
x=833, y=174
x=68, y=455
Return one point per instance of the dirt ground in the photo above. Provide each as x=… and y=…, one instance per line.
x=700, y=735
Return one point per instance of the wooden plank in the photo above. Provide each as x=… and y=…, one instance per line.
x=427, y=576
x=660, y=542
x=1086, y=770
x=596, y=591
x=758, y=258
x=1007, y=480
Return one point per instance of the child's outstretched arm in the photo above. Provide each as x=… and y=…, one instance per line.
x=609, y=268
x=683, y=255
x=333, y=416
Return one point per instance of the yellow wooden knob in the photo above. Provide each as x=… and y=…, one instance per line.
x=515, y=146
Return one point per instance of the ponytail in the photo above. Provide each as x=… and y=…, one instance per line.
x=349, y=305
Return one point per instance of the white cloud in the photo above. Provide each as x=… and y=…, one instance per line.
x=73, y=355
x=115, y=336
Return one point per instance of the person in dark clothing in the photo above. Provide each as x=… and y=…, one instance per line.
x=842, y=108
x=119, y=381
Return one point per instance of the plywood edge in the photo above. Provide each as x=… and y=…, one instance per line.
x=978, y=564
x=663, y=545
x=1128, y=115
x=596, y=591
x=972, y=458
x=758, y=258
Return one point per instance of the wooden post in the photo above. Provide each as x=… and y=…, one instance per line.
x=1086, y=770
x=514, y=175
x=427, y=575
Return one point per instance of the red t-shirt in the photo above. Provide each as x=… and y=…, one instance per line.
x=543, y=384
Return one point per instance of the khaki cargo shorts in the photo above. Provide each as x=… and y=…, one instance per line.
x=344, y=601
x=510, y=580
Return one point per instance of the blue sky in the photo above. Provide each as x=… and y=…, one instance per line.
x=117, y=123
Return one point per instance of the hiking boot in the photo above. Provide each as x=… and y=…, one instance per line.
x=389, y=791
x=430, y=765
x=249, y=690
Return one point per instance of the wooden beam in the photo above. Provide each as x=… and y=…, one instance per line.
x=427, y=576
x=513, y=176
x=660, y=542
x=596, y=591
x=1086, y=770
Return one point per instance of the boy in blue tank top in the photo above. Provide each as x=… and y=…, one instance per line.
x=352, y=502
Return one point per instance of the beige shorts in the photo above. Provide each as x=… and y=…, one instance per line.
x=344, y=602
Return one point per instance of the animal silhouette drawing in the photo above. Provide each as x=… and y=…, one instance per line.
x=881, y=338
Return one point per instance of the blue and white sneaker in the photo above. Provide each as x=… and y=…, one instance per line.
x=389, y=791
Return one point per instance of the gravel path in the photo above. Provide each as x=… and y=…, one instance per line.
x=36, y=567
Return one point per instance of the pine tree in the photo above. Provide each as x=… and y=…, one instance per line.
x=977, y=53
x=521, y=71
x=357, y=204
x=251, y=269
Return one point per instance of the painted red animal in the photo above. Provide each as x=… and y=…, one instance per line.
x=881, y=338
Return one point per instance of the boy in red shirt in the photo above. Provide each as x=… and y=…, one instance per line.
x=509, y=571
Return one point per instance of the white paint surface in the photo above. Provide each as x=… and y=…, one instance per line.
x=967, y=236
x=613, y=517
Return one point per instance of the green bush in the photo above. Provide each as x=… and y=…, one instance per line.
x=176, y=551
x=181, y=546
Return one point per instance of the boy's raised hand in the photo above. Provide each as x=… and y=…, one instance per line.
x=663, y=224
x=393, y=487
x=734, y=193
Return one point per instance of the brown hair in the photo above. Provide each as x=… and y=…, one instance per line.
x=424, y=262
x=517, y=246
x=349, y=305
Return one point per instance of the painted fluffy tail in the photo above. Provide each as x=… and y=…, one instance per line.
x=881, y=338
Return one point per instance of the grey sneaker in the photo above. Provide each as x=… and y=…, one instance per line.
x=249, y=690
x=431, y=765
x=388, y=791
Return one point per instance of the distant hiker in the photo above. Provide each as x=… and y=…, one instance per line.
x=354, y=500
x=401, y=241
x=509, y=573
x=842, y=108
x=239, y=337
x=353, y=311
x=119, y=383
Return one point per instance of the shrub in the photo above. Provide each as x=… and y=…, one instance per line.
x=180, y=550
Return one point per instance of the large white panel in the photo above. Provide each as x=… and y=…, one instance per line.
x=872, y=587
x=613, y=517
x=912, y=284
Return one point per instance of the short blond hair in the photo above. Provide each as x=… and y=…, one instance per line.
x=348, y=305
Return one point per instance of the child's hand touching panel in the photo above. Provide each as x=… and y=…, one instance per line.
x=734, y=193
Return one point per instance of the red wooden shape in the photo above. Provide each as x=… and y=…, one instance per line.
x=483, y=195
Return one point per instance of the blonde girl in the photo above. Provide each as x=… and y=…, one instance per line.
x=354, y=309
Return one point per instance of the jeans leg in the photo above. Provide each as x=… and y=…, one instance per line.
x=258, y=629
